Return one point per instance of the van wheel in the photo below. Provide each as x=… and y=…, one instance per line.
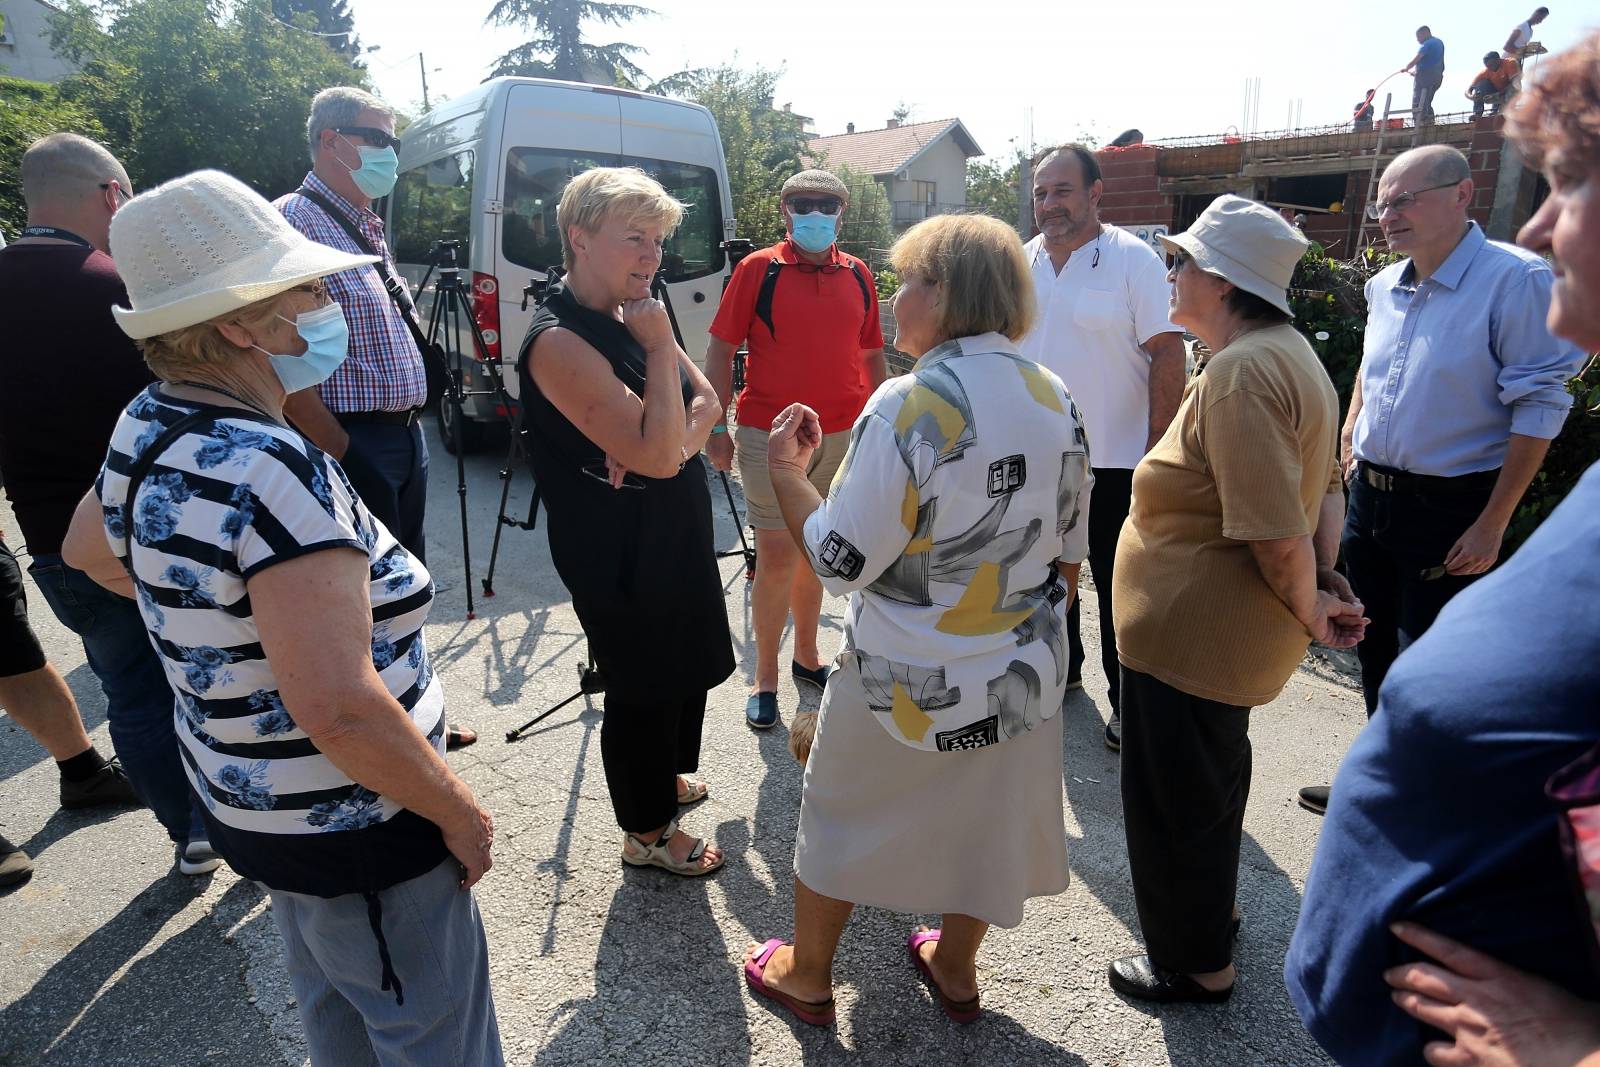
x=472, y=431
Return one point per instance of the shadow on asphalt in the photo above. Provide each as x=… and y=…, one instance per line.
x=71, y=1015
x=657, y=926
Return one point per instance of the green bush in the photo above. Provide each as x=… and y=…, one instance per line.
x=28, y=111
x=1329, y=296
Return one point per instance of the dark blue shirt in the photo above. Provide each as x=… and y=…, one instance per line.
x=1439, y=813
x=1430, y=57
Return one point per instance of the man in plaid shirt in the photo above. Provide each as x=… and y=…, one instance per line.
x=366, y=414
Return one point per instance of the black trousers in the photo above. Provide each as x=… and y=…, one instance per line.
x=645, y=743
x=1108, y=508
x=1390, y=538
x=1185, y=779
x=388, y=466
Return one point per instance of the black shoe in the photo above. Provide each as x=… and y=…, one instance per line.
x=1114, y=732
x=109, y=785
x=817, y=677
x=1315, y=798
x=15, y=866
x=761, y=710
x=1136, y=976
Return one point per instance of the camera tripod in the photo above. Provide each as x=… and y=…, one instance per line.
x=450, y=307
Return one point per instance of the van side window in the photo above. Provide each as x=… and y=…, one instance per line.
x=536, y=178
x=430, y=202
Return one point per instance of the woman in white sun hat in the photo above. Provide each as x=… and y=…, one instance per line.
x=1224, y=575
x=290, y=624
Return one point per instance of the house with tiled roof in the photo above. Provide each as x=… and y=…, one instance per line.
x=922, y=166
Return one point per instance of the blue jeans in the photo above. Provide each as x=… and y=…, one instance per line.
x=139, y=701
x=398, y=456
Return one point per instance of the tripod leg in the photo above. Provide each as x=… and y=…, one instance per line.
x=749, y=553
x=501, y=521
x=454, y=398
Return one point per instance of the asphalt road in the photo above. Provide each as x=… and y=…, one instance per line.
x=107, y=957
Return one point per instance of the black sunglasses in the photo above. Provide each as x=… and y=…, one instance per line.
x=828, y=205
x=121, y=192
x=1179, y=259
x=373, y=136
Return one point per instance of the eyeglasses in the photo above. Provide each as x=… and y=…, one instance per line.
x=372, y=135
x=1179, y=261
x=318, y=289
x=121, y=192
x=1402, y=202
x=599, y=473
x=804, y=205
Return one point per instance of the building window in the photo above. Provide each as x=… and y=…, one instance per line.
x=924, y=192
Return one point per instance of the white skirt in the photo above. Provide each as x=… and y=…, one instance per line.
x=973, y=833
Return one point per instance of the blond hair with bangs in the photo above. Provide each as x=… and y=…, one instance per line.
x=980, y=265
x=179, y=353
x=627, y=193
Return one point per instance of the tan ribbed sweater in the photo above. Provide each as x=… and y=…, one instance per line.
x=1248, y=457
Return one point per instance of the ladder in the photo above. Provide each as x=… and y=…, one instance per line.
x=1369, y=227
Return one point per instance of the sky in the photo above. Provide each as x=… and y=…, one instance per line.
x=1011, y=71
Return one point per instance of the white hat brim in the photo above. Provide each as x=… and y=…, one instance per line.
x=299, y=263
x=1229, y=269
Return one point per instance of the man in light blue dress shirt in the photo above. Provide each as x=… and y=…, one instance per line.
x=1460, y=391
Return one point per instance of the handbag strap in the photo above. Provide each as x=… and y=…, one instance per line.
x=391, y=285
x=141, y=467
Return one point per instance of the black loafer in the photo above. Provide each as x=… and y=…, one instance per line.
x=761, y=710
x=1114, y=732
x=817, y=676
x=1137, y=976
x=1314, y=798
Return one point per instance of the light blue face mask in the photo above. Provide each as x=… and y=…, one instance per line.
x=815, y=231
x=327, y=338
x=379, y=167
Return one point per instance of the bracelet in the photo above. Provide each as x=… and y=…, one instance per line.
x=720, y=427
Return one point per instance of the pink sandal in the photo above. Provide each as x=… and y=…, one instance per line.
x=960, y=1011
x=806, y=1011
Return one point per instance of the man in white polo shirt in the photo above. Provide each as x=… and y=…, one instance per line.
x=1103, y=328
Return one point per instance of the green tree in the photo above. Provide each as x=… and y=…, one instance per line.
x=179, y=85
x=868, y=229
x=326, y=17
x=763, y=145
x=557, y=48
x=28, y=111
x=992, y=187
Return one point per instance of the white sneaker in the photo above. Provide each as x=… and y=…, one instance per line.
x=197, y=857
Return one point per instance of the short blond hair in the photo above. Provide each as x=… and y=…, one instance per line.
x=979, y=261
x=597, y=194
x=179, y=353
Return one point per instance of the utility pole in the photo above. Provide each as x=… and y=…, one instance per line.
x=423, y=70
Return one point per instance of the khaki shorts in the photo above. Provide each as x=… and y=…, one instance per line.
x=760, y=502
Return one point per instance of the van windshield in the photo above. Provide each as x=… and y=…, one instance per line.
x=536, y=178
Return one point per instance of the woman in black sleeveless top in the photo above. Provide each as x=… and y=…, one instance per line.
x=616, y=415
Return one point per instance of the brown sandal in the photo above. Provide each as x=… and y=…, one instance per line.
x=637, y=853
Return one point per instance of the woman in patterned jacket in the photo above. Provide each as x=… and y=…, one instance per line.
x=290, y=624
x=956, y=525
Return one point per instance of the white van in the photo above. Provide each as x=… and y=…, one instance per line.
x=488, y=169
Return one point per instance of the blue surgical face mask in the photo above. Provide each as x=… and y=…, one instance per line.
x=815, y=231
x=376, y=175
x=327, y=338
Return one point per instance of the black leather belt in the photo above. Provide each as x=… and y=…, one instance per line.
x=386, y=418
x=1388, y=480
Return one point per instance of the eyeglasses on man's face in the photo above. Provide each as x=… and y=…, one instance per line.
x=804, y=205
x=372, y=135
x=122, y=194
x=318, y=290
x=1402, y=202
x=1179, y=261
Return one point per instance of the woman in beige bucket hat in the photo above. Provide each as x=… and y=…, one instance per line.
x=290, y=624
x=1223, y=577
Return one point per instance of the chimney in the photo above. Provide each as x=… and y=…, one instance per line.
x=894, y=124
x=849, y=127
x=788, y=107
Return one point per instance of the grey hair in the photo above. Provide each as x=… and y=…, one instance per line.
x=337, y=107
x=63, y=168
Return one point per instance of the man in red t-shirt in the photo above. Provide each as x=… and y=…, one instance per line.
x=809, y=315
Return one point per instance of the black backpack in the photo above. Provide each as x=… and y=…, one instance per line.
x=769, y=284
